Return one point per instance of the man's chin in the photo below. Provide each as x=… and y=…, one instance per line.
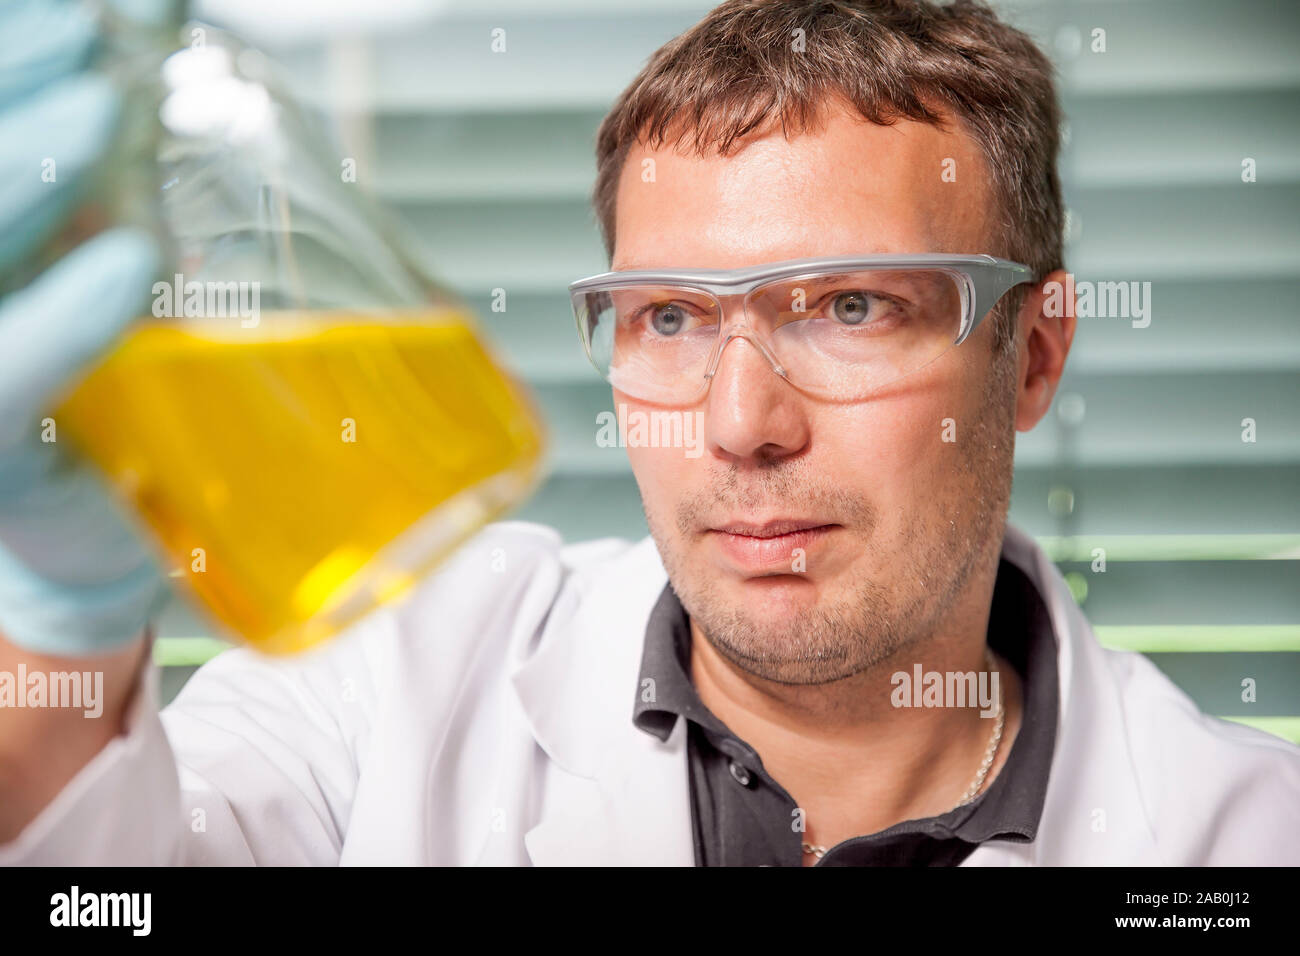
x=777, y=599
x=794, y=628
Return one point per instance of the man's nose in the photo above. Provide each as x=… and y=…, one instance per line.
x=752, y=412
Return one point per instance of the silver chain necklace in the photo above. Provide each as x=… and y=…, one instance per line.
x=973, y=790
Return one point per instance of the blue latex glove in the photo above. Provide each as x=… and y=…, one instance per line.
x=74, y=576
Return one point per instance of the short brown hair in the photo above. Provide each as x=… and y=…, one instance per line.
x=740, y=69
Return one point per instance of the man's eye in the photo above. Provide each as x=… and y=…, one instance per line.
x=668, y=319
x=854, y=308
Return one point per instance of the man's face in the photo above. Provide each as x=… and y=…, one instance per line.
x=906, y=516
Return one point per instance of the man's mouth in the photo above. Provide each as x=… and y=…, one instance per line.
x=775, y=528
x=778, y=545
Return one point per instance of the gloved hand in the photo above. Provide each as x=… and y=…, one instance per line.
x=74, y=576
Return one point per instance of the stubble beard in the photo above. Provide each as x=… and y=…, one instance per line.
x=944, y=540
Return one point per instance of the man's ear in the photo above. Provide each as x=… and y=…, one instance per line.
x=1045, y=330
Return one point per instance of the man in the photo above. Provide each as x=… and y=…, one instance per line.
x=831, y=650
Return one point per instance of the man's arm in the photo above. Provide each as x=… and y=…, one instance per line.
x=255, y=762
x=43, y=748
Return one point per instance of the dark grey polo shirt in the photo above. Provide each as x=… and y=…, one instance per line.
x=742, y=817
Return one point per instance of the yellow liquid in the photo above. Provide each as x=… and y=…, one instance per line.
x=234, y=441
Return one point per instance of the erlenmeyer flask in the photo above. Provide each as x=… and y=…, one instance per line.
x=305, y=423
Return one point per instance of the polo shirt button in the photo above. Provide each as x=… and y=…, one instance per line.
x=739, y=774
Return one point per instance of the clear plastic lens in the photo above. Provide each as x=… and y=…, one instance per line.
x=839, y=335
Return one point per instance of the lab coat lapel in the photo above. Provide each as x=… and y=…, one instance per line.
x=611, y=794
x=635, y=812
x=1093, y=812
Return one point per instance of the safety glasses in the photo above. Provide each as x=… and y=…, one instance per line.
x=837, y=328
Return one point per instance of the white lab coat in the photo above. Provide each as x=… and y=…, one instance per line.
x=488, y=720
